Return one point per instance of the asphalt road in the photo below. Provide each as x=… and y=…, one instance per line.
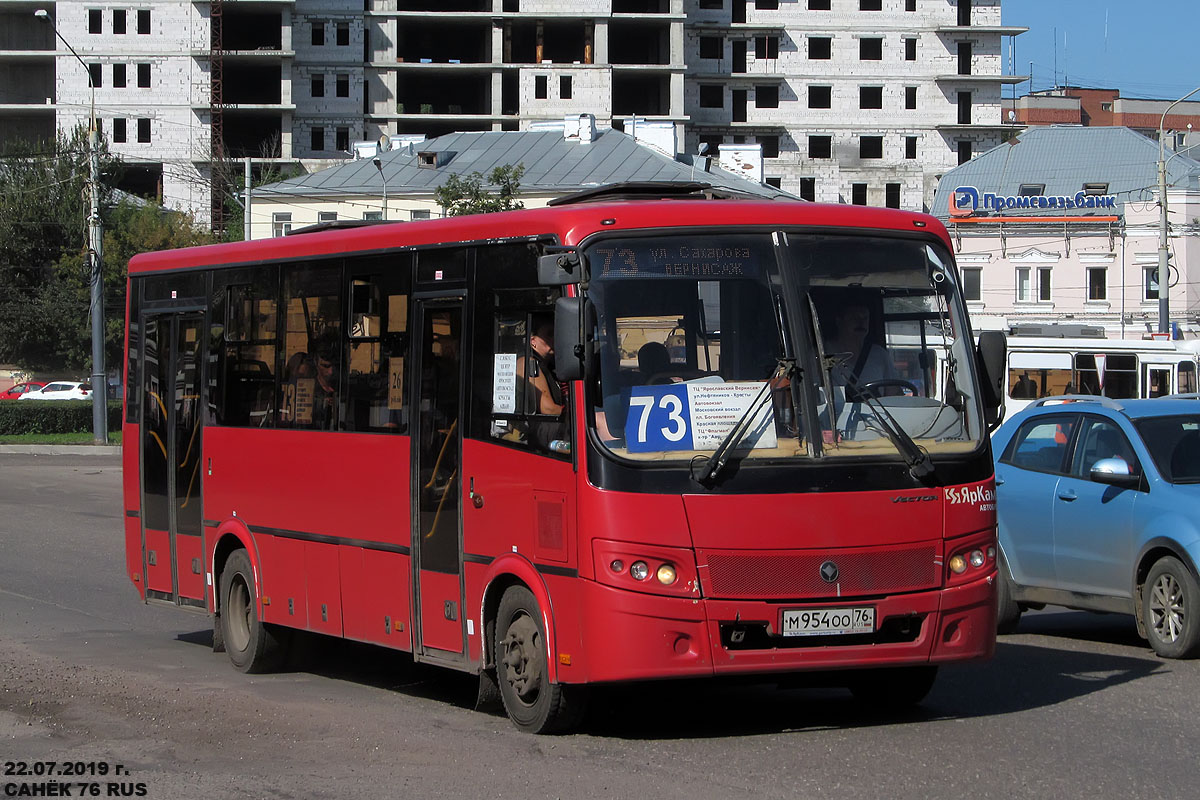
x=1074, y=706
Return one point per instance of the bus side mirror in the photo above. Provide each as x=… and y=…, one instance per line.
x=574, y=321
x=992, y=354
x=560, y=269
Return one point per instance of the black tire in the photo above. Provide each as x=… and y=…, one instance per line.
x=533, y=703
x=893, y=689
x=1171, y=609
x=252, y=645
x=1008, y=613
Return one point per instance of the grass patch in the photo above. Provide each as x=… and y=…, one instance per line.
x=114, y=437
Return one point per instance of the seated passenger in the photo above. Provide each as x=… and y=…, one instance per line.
x=863, y=361
x=545, y=394
x=653, y=360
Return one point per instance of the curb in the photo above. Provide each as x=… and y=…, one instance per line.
x=61, y=449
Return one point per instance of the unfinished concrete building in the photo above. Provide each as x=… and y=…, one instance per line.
x=863, y=101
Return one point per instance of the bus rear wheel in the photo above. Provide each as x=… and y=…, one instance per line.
x=532, y=702
x=252, y=645
x=895, y=688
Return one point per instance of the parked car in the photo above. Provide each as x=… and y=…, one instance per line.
x=20, y=389
x=60, y=390
x=1099, y=509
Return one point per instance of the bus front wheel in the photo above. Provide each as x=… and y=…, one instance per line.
x=532, y=702
x=252, y=645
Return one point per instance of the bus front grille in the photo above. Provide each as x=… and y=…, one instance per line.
x=803, y=574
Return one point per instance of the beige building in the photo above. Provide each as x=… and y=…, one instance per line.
x=1060, y=227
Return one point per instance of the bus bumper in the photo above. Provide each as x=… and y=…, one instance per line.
x=634, y=636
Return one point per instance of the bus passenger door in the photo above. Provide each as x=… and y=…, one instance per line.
x=172, y=519
x=437, y=476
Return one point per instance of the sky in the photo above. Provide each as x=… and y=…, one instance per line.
x=1145, y=48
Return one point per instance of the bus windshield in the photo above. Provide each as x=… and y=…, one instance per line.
x=695, y=335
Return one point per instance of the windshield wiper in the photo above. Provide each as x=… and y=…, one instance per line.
x=704, y=469
x=920, y=467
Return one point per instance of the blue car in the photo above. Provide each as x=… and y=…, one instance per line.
x=1099, y=509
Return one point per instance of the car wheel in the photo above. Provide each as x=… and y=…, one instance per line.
x=1170, y=609
x=532, y=702
x=1008, y=613
x=895, y=688
x=252, y=645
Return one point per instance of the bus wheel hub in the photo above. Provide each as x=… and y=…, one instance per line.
x=522, y=656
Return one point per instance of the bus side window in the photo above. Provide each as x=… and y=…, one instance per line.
x=1187, y=376
x=242, y=347
x=378, y=332
x=508, y=305
x=313, y=346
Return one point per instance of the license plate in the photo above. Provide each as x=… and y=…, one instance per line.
x=828, y=621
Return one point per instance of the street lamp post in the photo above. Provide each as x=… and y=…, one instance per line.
x=379, y=166
x=95, y=253
x=1164, y=303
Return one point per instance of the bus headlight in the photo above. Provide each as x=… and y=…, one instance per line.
x=976, y=558
x=958, y=565
x=647, y=568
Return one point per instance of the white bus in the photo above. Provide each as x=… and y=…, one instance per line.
x=1118, y=368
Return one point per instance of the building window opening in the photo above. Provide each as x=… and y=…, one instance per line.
x=858, y=194
x=820, y=147
x=1097, y=283
x=766, y=97
x=892, y=195
x=870, y=49
x=972, y=284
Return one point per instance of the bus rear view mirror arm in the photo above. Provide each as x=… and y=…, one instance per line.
x=560, y=267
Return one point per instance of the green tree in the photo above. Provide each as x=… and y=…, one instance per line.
x=468, y=194
x=44, y=277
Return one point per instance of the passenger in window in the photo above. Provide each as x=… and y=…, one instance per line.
x=545, y=396
x=327, y=356
x=1024, y=388
x=653, y=362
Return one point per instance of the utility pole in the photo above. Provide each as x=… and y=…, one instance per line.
x=1164, y=303
x=95, y=255
x=246, y=209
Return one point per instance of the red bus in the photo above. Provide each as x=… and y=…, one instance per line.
x=614, y=439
